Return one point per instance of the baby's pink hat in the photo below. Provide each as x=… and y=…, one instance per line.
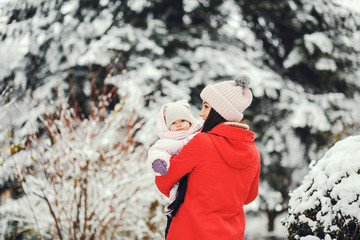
x=229, y=98
x=178, y=110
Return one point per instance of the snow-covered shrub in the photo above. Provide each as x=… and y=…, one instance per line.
x=85, y=178
x=327, y=204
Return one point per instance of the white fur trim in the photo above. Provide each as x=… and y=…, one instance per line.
x=237, y=124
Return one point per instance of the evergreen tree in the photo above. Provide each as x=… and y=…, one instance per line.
x=302, y=56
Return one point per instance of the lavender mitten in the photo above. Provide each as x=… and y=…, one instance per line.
x=159, y=166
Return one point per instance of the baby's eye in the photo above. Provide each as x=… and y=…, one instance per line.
x=183, y=120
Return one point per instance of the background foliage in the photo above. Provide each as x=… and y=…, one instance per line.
x=303, y=58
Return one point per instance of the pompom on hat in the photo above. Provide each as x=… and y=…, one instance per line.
x=229, y=98
x=178, y=110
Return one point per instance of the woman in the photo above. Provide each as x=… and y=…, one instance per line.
x=223, y=166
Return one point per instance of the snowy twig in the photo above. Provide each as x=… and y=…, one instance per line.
x=53, y=215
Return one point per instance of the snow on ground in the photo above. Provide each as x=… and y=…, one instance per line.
x=256, y=227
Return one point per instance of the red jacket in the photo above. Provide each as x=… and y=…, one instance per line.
x=224, y=167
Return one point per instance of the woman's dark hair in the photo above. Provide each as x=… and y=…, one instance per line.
x=213, y=119
x=180, y=196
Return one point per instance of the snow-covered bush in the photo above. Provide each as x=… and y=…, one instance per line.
x=327, y=204
x=85, y=178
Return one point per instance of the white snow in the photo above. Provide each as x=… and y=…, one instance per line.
x=332, y=184
x=320, y=40
x=293, y=58
x=352, y=5
x=309, y=114
x=69, y=6
x=326, y=64
x=138, y=5
x=190, y=5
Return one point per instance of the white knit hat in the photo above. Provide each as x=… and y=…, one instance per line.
x=178, y=110
x=229, y=98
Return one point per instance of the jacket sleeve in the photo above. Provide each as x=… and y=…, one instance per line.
x=254, y=188
x=171, y=146
x=180, y=165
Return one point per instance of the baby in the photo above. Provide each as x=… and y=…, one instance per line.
x=175, y=127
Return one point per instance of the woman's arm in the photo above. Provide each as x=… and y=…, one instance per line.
x=254, y=188
x=180, y=165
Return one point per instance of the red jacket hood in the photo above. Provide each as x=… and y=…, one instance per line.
x=228, y=140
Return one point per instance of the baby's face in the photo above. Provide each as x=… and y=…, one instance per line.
x=180, y=125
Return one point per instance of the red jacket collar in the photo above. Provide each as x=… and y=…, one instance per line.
x=230, y=131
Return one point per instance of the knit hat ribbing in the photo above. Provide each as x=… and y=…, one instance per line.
x=178, y=110
x=229, y=98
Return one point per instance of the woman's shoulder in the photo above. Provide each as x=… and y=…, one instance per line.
x=198, y=144
x=200, y=138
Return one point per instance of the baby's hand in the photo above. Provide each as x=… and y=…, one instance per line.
x=159, y=166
